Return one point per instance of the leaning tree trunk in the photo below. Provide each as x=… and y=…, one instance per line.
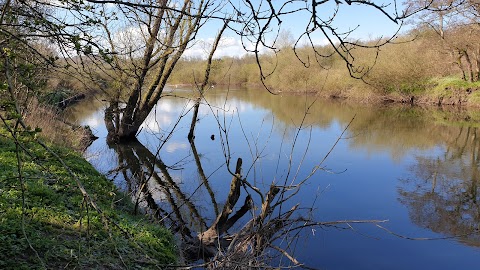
x=169, y=33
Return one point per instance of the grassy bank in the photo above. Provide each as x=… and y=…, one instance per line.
x=435, y=92
x=46, y=222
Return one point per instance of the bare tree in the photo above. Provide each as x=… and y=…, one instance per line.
x=456, y=25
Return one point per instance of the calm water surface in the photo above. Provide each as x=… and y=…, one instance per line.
x=417, y=168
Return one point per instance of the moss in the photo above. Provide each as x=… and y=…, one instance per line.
x=60, y=226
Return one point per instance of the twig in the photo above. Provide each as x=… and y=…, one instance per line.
x=476, y=231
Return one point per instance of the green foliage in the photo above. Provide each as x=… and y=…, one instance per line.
x=58, y=223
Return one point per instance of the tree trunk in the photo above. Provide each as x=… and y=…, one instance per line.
x=476, y=55
x=460, y=65
x=156, y=65
x=469, y=65
x=194, y=120
x=219, y=226
x=201, y=90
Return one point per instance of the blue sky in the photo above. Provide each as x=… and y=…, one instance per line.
x=369, y=23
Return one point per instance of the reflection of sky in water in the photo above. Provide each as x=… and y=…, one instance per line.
x=93, y=122
x=172, y=147
x=362, y=177
x=160, y=118
x=166, y=113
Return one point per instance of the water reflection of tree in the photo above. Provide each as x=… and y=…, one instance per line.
x=443, y=195
x=155, y=192
x=271, y=224
x=153, y=189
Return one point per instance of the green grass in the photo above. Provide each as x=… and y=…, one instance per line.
x=453, y=89
x=448, y=84
x=456, y=82
x=57, y=223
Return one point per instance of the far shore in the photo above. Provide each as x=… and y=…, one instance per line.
x=439, y=94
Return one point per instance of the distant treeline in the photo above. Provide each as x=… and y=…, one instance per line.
x=418, y=63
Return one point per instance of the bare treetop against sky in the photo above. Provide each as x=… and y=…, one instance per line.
x=355, y=21
x=350, y=19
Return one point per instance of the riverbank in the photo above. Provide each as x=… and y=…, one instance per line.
x=409, y=71
x=436, y=92
x=47, y=223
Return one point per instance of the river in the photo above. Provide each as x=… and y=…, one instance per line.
x=415, y=168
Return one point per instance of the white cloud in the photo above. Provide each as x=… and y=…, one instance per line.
x=110, y=5
x=229, y=46
x=128, y=39
x=315, y=40
x=174, y=146
x=228, y=41
x=165, y=106
x=320, y=41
